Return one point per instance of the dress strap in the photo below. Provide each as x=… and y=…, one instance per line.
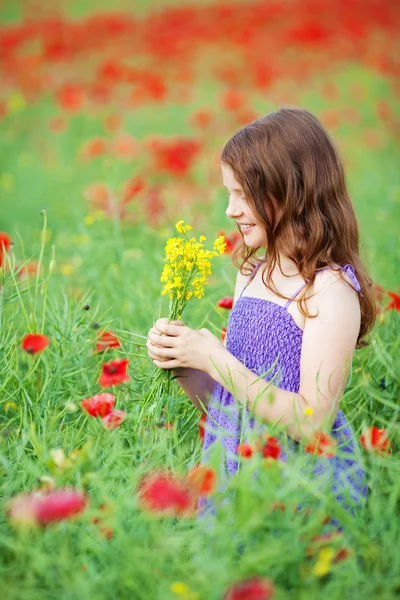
x=349, y=270
x=251, y=277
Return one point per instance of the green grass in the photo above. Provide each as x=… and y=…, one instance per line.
x=114, y=266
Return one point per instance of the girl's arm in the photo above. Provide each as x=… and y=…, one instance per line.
x=197, y=384
x=328, y=344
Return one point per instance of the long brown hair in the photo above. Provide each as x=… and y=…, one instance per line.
x=293, y=179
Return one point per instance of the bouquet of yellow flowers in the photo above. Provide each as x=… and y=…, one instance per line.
x=187, y=264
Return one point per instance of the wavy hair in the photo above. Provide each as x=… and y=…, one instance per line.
x=293, y=179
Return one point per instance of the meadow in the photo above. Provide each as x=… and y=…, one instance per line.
x=112, y=120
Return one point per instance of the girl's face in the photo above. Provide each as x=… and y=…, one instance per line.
x=253, y=231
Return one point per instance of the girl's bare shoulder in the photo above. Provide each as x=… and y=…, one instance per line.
x=333, y=287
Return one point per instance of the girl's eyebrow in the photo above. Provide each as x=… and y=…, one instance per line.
x=234, y=189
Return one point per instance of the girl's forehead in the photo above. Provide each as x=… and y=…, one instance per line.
x=228, y=177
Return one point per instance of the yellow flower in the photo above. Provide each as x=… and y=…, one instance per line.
x=66, y=269
x=220, y=244
x=10, y=406
x=182, y=590
x=182, y=228
x=308, y=411
x=89, y=220
x=7, y=181
x=323, y=565
x=16, y=103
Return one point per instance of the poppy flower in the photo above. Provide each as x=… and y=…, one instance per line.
x=132, y=188
x=255, y=588
x=201, y=119
x=5, y=242
x=202, y=480
x=225, y=303
x=231, y=241
x=107, y=339
x=28, y=270
x=112, y=122
x=114, y=372
x=38, y=509
x=114, y=419
x=33, y=343
x=99, y=405
x=376, y=440
x=271, y=448
x=93, y=148
x=245, y=450
x=223, y=333
x=165, y=494
x=232, y=100
x=71, y=97
x=202, y=425
x=124, y=146
x=322, y=445
x=395, y=303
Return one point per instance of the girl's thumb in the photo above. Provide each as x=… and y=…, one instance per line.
x=176, y=322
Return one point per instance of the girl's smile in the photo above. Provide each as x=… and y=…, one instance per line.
x=238, y=209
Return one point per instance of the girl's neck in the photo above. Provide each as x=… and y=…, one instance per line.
x=288, y=268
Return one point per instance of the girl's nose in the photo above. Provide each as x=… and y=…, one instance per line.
x=233, y=210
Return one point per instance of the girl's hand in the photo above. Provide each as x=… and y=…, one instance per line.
x=155, y=331
x=171, y=346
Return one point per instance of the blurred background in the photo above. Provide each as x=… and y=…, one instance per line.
x=113, y=116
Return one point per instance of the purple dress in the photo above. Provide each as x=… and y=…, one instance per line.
x=264, y=337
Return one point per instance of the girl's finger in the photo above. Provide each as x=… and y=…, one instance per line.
x=163, y=341
x=160, y=353
x=170, y=364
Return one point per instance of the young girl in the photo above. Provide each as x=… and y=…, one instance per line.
x=299, y=310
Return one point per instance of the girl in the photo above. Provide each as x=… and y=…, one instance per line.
x=300, y=309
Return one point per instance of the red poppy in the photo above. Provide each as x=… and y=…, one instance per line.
x=5, y=242
x=34, y=343
x=223, y=333
x=202, y=480
x=112, y=122
x=114, y=419
x=124, y=146
x=28, y=269
x=71, y=97
x=175, y=157
x=232, y=100
x=202, y=425
x=278, y=506
x=93, y=148
x=163, y=493
x=225, y=303
x=376, y=440
x=114, y=372
x=245, y=450
x=395, y=303
x=271, y=448
x=55, y=505
x=201, y=118
x=57, y=124
x=231, y=241
x=256, y=588
x=322, y=444
x=99, y=405
x=107, y=339
x=132, y=188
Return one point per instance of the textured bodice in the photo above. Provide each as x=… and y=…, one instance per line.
x=265, y=338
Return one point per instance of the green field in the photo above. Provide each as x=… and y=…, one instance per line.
x=112, y=120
